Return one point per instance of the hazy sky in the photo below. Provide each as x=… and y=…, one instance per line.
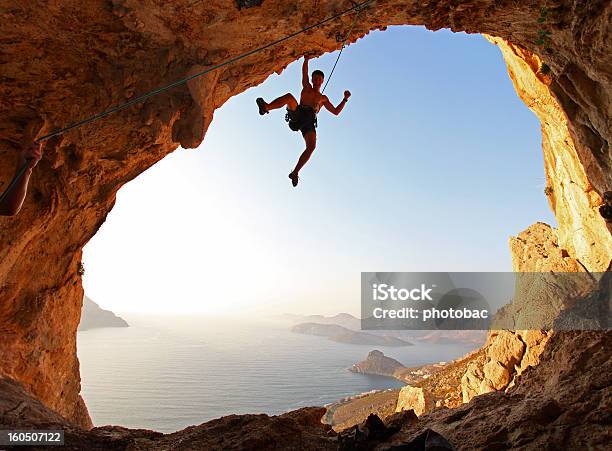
x=434, y=163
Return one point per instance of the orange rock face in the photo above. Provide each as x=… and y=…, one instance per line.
x=582, y=232
x=61, y=62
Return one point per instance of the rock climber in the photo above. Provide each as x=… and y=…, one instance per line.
x=303, y=116
x=12, y=202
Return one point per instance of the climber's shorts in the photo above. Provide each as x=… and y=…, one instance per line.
x=303, y=118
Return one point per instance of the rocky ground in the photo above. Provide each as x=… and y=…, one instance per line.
x=563, y=403
x=439, y=384
x=345, y=414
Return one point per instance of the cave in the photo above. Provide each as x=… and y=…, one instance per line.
x=558, y=57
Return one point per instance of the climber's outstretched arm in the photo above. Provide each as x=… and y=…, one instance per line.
x=305, y=79
x=336, y=109
x=12, y=203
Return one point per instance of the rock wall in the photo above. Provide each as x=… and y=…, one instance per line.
x=522, y=329
x=61, y=62
x=582, y=232
x=562, y=403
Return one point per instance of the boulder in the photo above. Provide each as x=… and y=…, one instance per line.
x=415, y=398
x=534, y=340
x=496, y=375
x=506, y=349
x=471, y=380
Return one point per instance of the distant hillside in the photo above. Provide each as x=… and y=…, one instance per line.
x=343, y=335
x=342, y=319
x=94, y=317
x=442, y=337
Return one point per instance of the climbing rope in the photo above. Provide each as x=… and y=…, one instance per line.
x=16, y=178
x=346, y=36
x=356, y=7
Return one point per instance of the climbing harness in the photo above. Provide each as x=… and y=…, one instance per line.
x=356, y=7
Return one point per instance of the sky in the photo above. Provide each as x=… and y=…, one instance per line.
x=434, y=163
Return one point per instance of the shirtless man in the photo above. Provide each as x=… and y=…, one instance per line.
x=303, y=116
x=12, y=202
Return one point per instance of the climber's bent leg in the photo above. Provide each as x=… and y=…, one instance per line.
x=286, y=100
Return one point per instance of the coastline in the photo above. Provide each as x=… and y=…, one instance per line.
x=442, y=379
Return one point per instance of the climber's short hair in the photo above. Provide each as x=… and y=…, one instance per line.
x=318, y=72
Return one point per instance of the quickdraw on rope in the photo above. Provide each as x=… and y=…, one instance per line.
x=343, y=39
x=356, y=7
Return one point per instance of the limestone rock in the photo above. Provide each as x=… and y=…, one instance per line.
x=510, y=353
x=504, y=353
x=534, y=340
x=52, y=79
x=415, y=398
x=471, y=380
x=507, y=349
x=552, y=405
x=543, y=288
x=497, y=376
x=582, y=231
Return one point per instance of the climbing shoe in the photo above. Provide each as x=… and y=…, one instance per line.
x=262, y=106
x=294, y=179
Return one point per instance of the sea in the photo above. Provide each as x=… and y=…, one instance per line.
x=169, y=372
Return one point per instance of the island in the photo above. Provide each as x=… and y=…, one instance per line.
x=341, y=334
x=379, y=364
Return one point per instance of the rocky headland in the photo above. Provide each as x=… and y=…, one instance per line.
x=377, y=363
x=95, y=317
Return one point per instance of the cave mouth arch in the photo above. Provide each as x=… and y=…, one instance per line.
x=204, y=171
x=82, y=172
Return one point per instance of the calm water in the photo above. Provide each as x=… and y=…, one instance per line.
x=169, y=373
